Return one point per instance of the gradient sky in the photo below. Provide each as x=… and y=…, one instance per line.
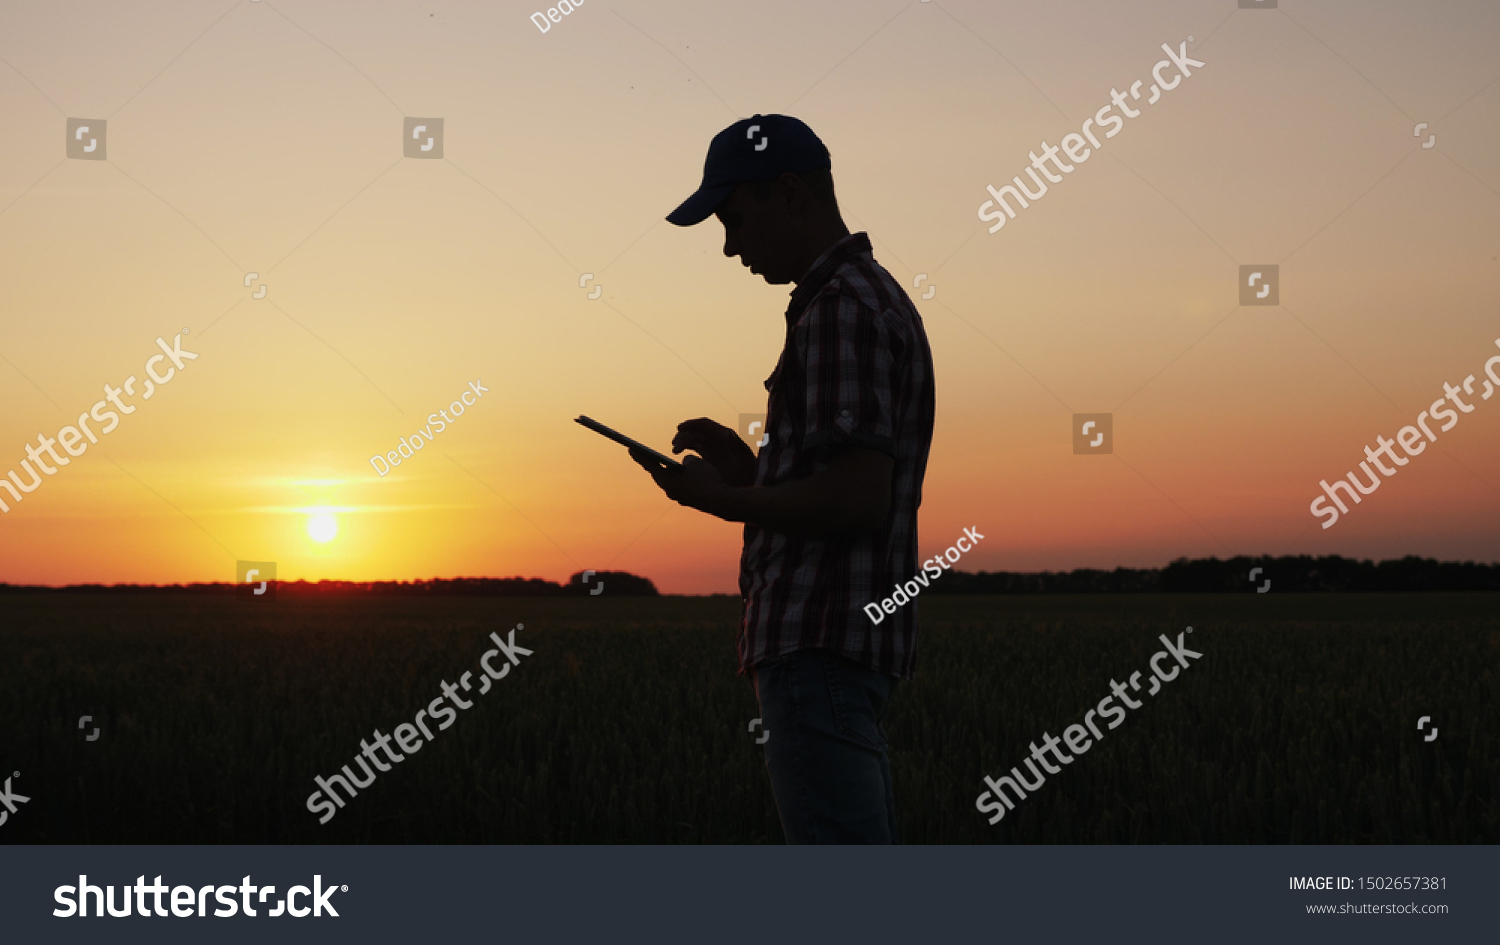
x=266, y=137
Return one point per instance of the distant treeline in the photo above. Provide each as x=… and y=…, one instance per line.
x=1201, y=576
x=615, y=584
x=1212, y=576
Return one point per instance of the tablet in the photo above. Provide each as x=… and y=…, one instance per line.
x=624, y=440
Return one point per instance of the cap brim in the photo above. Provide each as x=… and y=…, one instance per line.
x=701, y=205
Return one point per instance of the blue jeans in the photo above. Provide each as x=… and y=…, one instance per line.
x=826, y=751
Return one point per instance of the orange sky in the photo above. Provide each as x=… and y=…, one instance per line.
x=266, y=137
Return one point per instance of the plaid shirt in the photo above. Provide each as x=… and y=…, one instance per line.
x=855, y=371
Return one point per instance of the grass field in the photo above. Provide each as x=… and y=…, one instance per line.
x=628, y=724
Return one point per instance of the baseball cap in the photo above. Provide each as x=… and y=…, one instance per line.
x=757, y=148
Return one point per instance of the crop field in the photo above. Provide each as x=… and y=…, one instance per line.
x=629, y=725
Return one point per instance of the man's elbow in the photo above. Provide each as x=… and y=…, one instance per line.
x=863, y=515
x=874, y=515
x=861, y=492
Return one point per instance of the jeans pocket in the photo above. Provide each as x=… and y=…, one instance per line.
x=856, y=695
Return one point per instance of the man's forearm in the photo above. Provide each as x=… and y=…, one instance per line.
x=793, y=508
x=825, y=504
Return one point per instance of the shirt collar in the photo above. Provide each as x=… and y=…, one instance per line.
x=822, y=270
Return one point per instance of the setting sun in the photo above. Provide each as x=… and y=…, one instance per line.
x=322, y=528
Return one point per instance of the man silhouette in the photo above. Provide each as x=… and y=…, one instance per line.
x=830, y=504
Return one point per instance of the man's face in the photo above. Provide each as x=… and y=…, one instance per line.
x=758, y=231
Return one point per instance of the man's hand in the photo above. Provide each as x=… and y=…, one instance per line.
x=720, y=446
x=697, y=485
x=850, y=496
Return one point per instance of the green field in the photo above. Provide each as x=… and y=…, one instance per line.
x=629, y=725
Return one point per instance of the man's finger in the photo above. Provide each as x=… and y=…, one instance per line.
x=691, y=441
x=645, y=461
x=702, y=434
x=651, y=464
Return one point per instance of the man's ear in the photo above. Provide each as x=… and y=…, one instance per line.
x=798, y=195
x=792, y=190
